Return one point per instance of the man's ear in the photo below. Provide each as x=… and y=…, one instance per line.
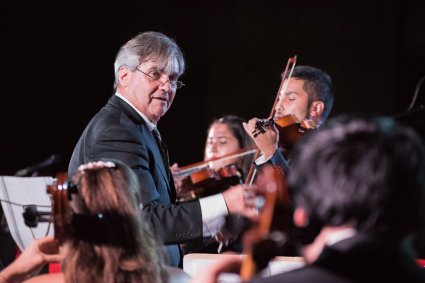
x=316, y=110
x=123, y=74
x=300, y=217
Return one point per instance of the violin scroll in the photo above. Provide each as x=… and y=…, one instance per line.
x=262, y=126
x=61, y=194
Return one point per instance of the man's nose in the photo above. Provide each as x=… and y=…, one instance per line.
x=280, y=108
x=166, y=86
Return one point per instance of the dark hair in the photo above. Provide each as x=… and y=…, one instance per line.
x=318, y=85
x=235, y=124
x=369, y=173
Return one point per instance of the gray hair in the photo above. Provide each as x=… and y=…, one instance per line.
x=150, y=46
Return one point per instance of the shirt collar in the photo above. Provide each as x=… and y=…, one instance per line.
x=150, y=124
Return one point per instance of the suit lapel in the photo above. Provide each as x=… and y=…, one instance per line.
x=115, y=101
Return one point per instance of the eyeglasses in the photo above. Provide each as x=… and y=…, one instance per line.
x=157, y=77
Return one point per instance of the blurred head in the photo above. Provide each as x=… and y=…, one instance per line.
x=368, y=174
x=110, y=241
x=309, y=95
x=147, y=69
x=226, y=135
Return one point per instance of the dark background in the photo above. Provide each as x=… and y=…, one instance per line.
x=57, y=64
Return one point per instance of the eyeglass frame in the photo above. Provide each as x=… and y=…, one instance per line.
x=175, y=84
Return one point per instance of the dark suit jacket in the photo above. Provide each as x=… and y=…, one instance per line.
x=118, y=132
x=358, y=259
x=278, y=160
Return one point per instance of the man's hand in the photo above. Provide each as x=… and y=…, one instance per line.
x=240, y=199
x=267, y=141
x=175, y=171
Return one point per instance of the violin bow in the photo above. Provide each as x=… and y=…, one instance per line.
x=189, y=169
x=292, y=61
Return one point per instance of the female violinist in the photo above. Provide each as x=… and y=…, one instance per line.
x=227, y=157
x=226, y=135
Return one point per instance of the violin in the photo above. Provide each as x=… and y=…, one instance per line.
x=201, y=180
x=96, y=228
x=207, y=182
x=289, y=127
x=268, y=230
x=61, y=193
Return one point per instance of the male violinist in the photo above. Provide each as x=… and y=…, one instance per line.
x=309, y=95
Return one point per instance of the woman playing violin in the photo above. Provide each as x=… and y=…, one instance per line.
x=227, y=156
x=226, y=135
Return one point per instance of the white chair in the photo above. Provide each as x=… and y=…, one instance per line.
x=176, y=275
x=193, y=263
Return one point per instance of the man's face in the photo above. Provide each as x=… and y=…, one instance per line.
x=150, y=91
x=294, y=100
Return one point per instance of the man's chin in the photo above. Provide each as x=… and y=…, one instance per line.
x=159, y=110
x=278, y=116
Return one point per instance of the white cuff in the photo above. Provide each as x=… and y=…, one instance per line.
x=213, y=210
x=261, y=160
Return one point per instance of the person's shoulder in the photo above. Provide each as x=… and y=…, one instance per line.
x=109, y=118
x=47, y=278
x=120, y=113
